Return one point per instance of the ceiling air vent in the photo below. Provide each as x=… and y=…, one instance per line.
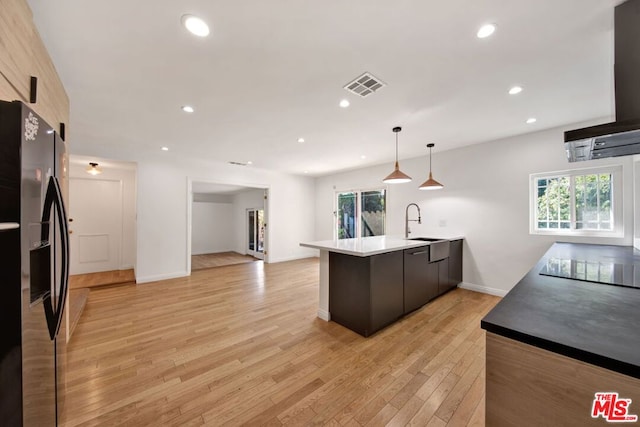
x=364, y=85
x=238, y=163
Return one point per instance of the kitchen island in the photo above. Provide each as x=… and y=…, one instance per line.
x=558, y=338
x=362, y=281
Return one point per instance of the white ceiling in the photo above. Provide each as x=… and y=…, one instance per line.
x=273, y=71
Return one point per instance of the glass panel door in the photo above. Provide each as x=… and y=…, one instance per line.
x=360, y=213
x=255, y=218
x=252, y=230
x=346, y=215
x=260, y=230
x=373, y=213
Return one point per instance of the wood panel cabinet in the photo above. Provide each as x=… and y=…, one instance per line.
x=366, y=293
x=530, y=386
x=23, y=55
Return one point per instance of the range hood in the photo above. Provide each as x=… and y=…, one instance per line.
x=622, y=137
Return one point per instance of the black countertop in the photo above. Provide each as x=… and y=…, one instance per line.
x=596, y=323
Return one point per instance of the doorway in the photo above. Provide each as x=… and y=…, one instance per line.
x=227, y=224
x=255, y=233
x=102, y=222
x=95, y=213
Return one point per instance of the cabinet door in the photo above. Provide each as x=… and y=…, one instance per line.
x=455, y=262
x=417, y=289
x=387, y=289
x=349, y=291
x=444, y=284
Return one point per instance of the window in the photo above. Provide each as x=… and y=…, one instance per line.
x=578, y=202
x=360, y=213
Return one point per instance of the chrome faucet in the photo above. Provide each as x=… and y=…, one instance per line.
x=406, y=219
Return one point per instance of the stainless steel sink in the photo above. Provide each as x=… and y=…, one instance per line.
x=438, y=249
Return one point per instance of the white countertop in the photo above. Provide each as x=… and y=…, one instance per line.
x=367, y=246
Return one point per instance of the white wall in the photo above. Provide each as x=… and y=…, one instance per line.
x=486, y=199
x=250, y=199
x=163, y=210
x=211, y=228
x=126, y=174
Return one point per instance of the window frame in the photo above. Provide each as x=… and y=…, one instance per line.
x=358, y=213
x=616, y=173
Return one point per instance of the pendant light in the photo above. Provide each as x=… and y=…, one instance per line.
x=431, y=184
x=93, y=169
x=397, y=176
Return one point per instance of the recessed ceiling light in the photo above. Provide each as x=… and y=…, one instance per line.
x=249, y=162
x=344, y=103
x=486, y=30
x=515, y=90
x=301, y=140
x=165, y=148
x=187, y=109
x=306, y=171
x=195, y=25
x=363, y=157
x=531, y=120
x=50, y=131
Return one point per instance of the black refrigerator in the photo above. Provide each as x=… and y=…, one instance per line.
x=34, y=267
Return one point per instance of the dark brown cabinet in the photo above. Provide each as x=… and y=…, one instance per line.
x=444, y=283
x=455, y=262
x=366, y=293
x=420, y=278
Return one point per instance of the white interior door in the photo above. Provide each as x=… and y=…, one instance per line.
x=95, y=212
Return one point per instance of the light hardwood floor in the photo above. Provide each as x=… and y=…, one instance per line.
x=219, y=259
x=102, y=278
x=241, y=345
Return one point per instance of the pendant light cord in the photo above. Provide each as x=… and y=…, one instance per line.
x=396, y=147
x=429, y=160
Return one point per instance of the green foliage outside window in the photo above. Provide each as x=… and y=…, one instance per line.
x=575, y=202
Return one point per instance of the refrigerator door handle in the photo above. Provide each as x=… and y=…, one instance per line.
x=53, y=199
x=6, y=226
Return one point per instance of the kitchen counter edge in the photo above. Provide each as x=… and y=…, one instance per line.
x=375, y=245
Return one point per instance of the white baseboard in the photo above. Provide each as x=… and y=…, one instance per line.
x=483, y=289
x=324, y=315
x=157, y=277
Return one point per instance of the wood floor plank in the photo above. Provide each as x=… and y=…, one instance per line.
x=102, y=278
x=463, y=413
x=219, y=259
x=242, y=344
